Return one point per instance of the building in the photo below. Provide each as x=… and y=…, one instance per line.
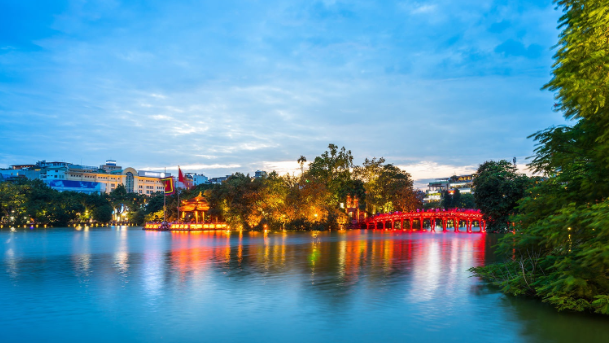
x=22, y=166
x=13, y=174
x=89, y=179
x=461, y=182
x=110, y=166
x=111, y=176
x=259, y=173
x=197, y=179
x=218, y=180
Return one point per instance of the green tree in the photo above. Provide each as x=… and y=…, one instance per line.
x=388, y=188
x=103, y=213
x=155, y=202
x=451, y=199
x=467, y=201
x=333, y=168
x=561, y=247
x=39, y=196
x=498, y=189
x=65, y=207
x=12, y=203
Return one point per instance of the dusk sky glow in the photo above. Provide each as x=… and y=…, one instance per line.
x=436, y=87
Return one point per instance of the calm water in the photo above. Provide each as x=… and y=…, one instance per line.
x=129, y=285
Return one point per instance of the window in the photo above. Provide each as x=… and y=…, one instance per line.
x=129, y=183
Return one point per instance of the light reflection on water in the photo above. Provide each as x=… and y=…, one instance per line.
x=354, y=286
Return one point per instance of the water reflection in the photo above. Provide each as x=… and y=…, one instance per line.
x=81, y=256
x=357, y=285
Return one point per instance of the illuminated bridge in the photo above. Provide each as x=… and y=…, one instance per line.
x=448, y=219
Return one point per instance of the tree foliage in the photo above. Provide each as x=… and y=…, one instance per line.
x=560, y=249
x=310, y=201
x=32, y=201
x=314, y=200
x=387, y=187
x=499, y=187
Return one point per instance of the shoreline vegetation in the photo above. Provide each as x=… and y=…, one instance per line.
x=558, y=249
x=315, y=200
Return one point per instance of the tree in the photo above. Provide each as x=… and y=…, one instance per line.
x=38, y=196
x=581, y=68
x=302, y=160
x=467, y=201
x=451, y=199
x=498, y=189
x=103, y=213
x=456, y=199
x=559, y=252
x=333, y=168
x=65, y=207
x=12, y=203
x=388, y=188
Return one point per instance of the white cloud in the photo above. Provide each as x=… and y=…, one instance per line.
x=432, y=170
x=278, y=90
x=195, y=167
x=282, y=167
x=420, y=9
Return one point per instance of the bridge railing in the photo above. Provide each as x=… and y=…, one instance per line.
x=469, y=216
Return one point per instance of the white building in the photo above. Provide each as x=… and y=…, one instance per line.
x=197, y=179
x=461, y=182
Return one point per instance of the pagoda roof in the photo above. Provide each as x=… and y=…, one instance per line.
x=196, y=200
x=198, y=203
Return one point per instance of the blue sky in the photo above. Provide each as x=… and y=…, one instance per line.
x=221, y=86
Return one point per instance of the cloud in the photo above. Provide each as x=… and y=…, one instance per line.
x=425, y=171
x=431, y=169
x=282, y=167
x=162, y=84
x=423, y=8
x=194, y=167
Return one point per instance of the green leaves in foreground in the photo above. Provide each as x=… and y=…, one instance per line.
x=562, y=258
x=560, y=249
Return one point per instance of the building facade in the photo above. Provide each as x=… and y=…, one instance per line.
x=461, y=182
x=64, y=176
x=197, y=179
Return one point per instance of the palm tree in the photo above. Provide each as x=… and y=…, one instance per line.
x=302, y=161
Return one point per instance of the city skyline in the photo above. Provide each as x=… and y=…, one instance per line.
x=434, y=87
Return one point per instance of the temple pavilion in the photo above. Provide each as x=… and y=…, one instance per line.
x=194, y=208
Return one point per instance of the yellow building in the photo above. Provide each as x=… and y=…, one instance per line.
x=144, y=182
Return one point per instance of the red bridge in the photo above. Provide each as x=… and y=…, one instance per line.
x=449, y=219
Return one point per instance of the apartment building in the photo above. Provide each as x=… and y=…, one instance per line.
x=65, y=176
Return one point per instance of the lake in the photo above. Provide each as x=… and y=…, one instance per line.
x=128, y=285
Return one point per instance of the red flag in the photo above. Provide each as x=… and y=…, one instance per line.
x=169, y=188
x=182, y=179
x=180, y=175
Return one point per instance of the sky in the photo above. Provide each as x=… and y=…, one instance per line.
x=435, y=87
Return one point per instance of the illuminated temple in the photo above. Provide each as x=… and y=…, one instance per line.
x=192, y=217
x=194, y=209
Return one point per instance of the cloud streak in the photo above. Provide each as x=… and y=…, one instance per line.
x=233, y=86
